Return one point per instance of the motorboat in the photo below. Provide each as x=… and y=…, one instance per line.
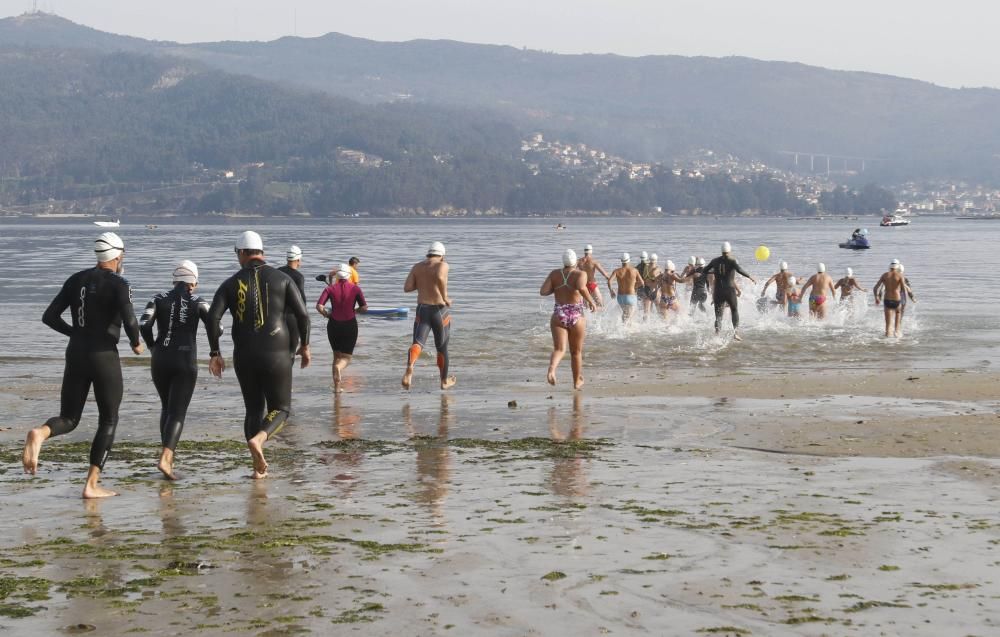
x=108, y=224
x=894, y=220
x=858, y=241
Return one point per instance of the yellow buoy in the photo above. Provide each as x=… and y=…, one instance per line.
x=762, y=253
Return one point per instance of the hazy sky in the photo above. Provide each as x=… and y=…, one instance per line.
x=954, y=43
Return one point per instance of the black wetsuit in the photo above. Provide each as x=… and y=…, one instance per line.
x=257, y=297
x=725, y=268
x=699, y=289
x=175, y=354
x=101, y=304
x=293, y=328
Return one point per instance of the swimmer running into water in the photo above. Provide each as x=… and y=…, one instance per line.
x=666, y=285
x=628, y=280
x=725, y=291
x=792, y=298
x=780, y=281
x=894, y=285
x=429, y=279
x=568, y=322
x=819, y=283
x=592, y=266
x=847, y=284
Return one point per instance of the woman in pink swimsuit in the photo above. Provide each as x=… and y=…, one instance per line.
x=342, y=324
x=568, y=322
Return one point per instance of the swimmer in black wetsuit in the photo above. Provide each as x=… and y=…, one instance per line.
x=100, y=302
x=257, y=297
x=724, y=269
x=294, y=262
x=175, y=354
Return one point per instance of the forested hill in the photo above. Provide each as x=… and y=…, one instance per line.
x=656, y=107
x=91, y=130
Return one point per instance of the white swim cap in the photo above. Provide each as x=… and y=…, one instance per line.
x=249, y=240
x=726, y=248
x=654, y=257
x=569, y=258
x=436, y=249
x=670, y=266
x=294, y=254
x=901, y=268
x=644, y=256
x=849, y=272
x=821, y=267
x=587, y=249
x=792, y=281
x=692, y=260
x=343, y=271
x=186, y=272
x=894, y=264
x=108, y=247
x=626, y=257
x=700, y=261
x=784, y=266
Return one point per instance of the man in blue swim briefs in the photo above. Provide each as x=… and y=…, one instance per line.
x=628, y=280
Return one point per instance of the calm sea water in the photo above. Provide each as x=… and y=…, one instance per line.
x=500, y=335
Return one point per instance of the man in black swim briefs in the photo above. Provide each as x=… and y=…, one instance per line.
x=100, y=304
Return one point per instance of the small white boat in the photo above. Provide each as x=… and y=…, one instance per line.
x=894, y=220
x=108, y=224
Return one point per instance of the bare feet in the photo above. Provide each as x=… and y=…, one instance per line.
x=737, y=337
x=336, y=377
x=579, y=383
x=407, y=378
x=551, y=376
x=166, y=465
x=256, y=446
x=32, y=447
x=92, y=491
x=448, y=382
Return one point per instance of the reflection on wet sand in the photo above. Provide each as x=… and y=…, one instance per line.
x=345, y=462
x=170, y=518
x=433, y=460
x=568, y=478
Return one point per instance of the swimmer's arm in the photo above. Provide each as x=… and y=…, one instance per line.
x=411, y=282
x=321, y=303
x=203, y=314
x=53, y=313
x=581, y=287
x=362, y=304
x=127, y=313
x=546, y=288
x=768, y=284
x=214, y=325
x=443, y=283
x=856, y=286
x=295, y=302
x=600, y=268
x=878, y=287
x=146, y=324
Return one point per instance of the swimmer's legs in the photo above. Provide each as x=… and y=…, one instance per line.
x=888, y=322
x=33, y=447
x=577, y=334
x=421, y=328
x=560, y=340
x=91, y=489
x=340, y=363
x=441, y=326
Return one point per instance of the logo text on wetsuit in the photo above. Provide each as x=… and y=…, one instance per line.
x=241, y=300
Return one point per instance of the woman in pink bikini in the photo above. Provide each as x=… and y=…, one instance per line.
x=568, y=323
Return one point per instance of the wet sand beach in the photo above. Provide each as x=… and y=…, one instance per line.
x=729, y=504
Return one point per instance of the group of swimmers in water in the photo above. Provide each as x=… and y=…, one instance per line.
x=576, y=289
x=271, y=327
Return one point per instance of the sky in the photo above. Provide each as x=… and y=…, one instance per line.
x=955, y=43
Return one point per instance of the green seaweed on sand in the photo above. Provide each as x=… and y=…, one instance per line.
x=724, y=630
x=945, y=587
x=553, y=576
x=808, y=619
x=358, y=615
x=796, y=598
x=537, y=448
x=28, y=588
x=888, y=567
x=838, y=578
x=860, y=606
x=658, y=556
